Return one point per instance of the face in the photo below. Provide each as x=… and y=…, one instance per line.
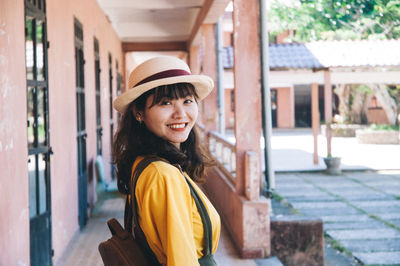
x=170, y=119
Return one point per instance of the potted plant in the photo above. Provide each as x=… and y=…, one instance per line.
x=332, y=165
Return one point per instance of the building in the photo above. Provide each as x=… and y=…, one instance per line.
x=61, y=65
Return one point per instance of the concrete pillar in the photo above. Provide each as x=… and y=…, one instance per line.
x=194, y=64
x=210, y=68
x=247, y=76
x=315, y=118
x=14, y=188
x=328, y=109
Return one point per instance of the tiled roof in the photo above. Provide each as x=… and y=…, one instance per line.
x=324, y=54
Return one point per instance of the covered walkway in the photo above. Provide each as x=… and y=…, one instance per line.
x=82, y=250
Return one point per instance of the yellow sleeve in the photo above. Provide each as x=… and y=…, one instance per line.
x=165, y=214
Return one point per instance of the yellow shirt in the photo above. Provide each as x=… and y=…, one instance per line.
x=169, y=217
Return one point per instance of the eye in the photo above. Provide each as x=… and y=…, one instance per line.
x=165, y=102
x=189, y=100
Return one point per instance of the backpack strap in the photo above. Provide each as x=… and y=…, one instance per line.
x=205, y=218
x=131, y=216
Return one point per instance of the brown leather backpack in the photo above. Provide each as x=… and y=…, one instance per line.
x=123, y=249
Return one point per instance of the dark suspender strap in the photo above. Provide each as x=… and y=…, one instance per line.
x=205, y=218
x=130, y=218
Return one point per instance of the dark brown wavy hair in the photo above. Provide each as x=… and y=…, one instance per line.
x=134, y=139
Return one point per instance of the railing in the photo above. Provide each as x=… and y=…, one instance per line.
x=221, y=149
x=223, y=152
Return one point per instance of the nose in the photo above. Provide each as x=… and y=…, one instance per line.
x=179, y=111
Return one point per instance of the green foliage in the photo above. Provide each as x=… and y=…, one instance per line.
x=363, y=88
x=336, y=20
x=383, y=127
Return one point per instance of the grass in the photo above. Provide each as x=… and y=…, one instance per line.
x=336, y=245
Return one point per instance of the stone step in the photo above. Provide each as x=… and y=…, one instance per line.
x=379, y=258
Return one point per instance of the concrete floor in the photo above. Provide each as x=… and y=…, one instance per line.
x=82, y=249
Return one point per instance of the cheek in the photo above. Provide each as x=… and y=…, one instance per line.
x=195, y=113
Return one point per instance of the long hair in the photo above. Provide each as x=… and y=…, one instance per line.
x=133, y=139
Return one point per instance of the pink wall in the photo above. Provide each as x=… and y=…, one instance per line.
x=285, y=111
x=14, y=223
x=14, y=206
x=60, y=15
x=246, y=221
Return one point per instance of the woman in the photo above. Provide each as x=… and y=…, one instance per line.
x=159, y=112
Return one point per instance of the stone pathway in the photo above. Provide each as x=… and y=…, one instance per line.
x=360, y=210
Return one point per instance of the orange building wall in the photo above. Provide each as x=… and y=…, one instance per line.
x=285, y=111
x=14, y=203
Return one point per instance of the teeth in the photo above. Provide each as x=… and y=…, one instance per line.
x=177, y=126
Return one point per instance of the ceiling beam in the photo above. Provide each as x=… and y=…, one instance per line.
x=154, y=4
x=153, y=46
x=200, y=20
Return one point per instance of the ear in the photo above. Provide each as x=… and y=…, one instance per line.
x=137, y=114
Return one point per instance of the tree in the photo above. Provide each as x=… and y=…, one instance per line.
x=336, y=20
x=312, y=20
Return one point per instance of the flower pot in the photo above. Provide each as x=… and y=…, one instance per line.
x=332, y=165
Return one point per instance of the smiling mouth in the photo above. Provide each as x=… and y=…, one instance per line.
x=177, y=126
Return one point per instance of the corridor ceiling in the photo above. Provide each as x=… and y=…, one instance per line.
x=165, y=24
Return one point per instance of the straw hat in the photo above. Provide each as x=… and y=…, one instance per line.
x=159, y=71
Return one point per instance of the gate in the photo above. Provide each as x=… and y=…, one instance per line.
x=39, y=149
x=81, y=125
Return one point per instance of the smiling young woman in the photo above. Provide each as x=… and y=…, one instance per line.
x=159, y=115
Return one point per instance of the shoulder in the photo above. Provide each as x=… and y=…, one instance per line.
x=159, y=174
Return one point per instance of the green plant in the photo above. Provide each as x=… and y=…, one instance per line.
x=383, y=127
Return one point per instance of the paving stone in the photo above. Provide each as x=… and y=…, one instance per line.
x=395, y=222
x=354, y=225
x=371, y=177
x=374, y=245
x=379, y=258
x=318, y=205
x=377, y=203
x=358, y=196
x=338, y=185
x=359, y=190
x=301, y=193
x=271, y=261
x=324, y=198
x=385, y=186
x=373, y=241
x=293, y=185
x=365, y=234
x=346, y=218
x=389, y=216
x=326, y=212
x=376, y=196
x=306, y=190
x=395, y=192
x=363, y=196
x=376, y=210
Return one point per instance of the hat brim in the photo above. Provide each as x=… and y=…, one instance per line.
x=203, y=86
